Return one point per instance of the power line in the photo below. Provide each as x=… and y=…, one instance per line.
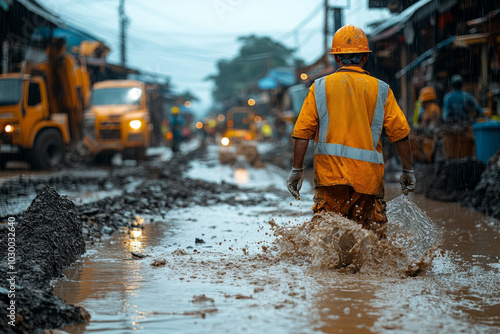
x=313, y=13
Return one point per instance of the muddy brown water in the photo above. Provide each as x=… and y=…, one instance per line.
x=227, y=283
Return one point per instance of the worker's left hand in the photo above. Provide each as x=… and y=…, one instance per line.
x=408, y=181
x=294, y=181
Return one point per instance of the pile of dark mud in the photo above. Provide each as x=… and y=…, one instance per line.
x=448, y=180
x=153, y=197
x=486, y=195
x=47, y=240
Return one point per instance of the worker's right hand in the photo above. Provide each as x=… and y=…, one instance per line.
x=408, y=181
x=294, y=181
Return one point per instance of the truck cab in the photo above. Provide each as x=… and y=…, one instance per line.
x=29, y=131
x=117, y=119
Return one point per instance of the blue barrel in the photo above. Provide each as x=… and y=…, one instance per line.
x=487, y=136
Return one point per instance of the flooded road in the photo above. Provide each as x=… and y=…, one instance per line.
x=217, y=269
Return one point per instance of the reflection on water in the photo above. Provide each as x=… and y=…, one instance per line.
x=135, y=243
x=241, y=176
x=108, y=279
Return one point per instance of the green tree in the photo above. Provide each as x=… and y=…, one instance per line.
x=256, y=56
x=188, y=96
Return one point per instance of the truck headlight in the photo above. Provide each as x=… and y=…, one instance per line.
x=224, y=141
x=135, y=124
x=8, y=128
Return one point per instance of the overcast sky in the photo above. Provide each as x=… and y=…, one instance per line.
x=184, y=39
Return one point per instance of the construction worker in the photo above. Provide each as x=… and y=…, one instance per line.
x=429, y=117
x=345, y=113
x=430, y=113
x=176, y=124
x=460, y=107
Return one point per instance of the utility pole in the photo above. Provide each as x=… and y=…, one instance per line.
x=123, y=26
x=337, y=18
x=5, y=57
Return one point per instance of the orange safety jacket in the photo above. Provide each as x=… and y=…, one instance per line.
x=432, y=114
x=345, y=113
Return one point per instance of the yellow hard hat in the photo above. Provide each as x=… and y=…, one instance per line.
x=175, y=110
x=427, y=94
x=349, y=39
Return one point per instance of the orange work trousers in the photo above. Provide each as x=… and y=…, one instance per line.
x=367, y=210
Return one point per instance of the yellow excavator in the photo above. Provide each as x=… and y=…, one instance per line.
x=41, y=108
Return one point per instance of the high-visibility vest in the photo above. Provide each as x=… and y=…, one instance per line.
x=348, y=149
x=323, y=147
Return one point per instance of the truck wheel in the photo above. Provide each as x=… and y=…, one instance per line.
x=3, y=161
x=139, y=153
x=104, y=158
x=48, y=152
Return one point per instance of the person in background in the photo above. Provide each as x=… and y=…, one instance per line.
x=345, y=114
x=430, y=113
x=460, y=107
x=176, y=124
x=266, y=131
x=416, y=112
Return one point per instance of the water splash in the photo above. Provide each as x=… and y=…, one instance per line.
x=329, y=241
x=413, y=232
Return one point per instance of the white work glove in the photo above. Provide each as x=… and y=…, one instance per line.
x=407, y=181
x=294, y=181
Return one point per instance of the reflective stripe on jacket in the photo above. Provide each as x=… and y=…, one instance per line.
x=345, y=113
x=322, y=147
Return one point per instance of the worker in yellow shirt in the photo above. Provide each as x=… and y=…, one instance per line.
x=345, y=114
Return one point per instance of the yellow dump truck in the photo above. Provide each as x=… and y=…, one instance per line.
x=240, y=126
x=117, y=119
x=41, y=108
x=239, y=137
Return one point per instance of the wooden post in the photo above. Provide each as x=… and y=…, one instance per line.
x=404, y=83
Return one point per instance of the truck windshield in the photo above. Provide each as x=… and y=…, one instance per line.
x=121, y=95
x=10, y=91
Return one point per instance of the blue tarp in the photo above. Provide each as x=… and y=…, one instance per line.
x=72, y=36
x=278, y=77
x=267, y=83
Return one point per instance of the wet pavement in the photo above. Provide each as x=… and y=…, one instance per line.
x=217, y=269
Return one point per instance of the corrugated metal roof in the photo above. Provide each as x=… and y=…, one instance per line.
x=396, y=23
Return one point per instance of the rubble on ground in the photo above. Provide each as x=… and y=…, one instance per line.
x=57, y=229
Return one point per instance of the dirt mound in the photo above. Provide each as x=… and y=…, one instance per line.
x=449, y=180
x=485, y=196
x=52, y=232
x=47, y=240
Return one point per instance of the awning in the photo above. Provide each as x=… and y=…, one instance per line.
x=38, y=10
x=423, y=57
